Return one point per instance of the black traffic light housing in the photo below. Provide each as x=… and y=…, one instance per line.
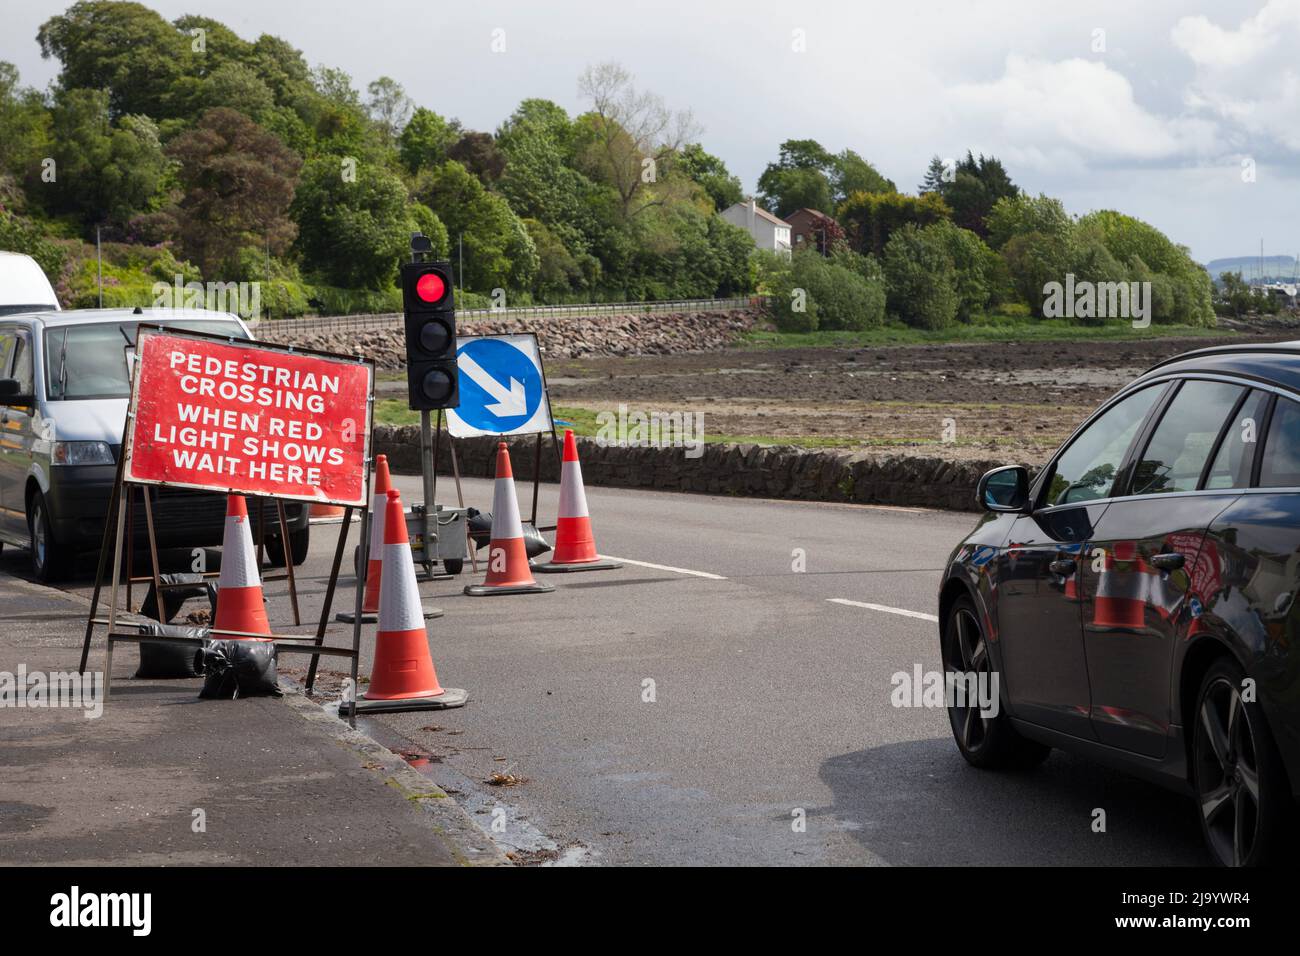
x=430, y=316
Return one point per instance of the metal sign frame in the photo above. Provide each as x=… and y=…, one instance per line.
x=128, y=438
x=120, y=548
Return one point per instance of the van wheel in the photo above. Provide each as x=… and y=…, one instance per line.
x=50, y=560
x=299, y=544
x=453, y=566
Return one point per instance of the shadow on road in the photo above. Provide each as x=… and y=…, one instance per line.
x=920, y=803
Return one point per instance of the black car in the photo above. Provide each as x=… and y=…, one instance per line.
x=1136, y=598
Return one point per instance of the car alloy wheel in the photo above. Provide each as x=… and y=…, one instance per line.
x=1226, y=752
x=966, y=653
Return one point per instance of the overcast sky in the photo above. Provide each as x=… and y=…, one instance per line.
x=1145, y=106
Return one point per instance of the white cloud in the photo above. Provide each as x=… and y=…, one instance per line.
x=1067, y=113
x=1246, y=76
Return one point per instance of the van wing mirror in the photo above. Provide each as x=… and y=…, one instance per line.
x=1004, y=489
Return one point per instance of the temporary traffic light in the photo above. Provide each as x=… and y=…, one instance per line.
x=430, y=308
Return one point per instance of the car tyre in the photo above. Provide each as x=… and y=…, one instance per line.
x=453, y=566
x=1242, y=795
x=51, y=561
x=986, y=742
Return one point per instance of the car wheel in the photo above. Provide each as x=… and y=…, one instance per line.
x=985, y=741
x=50, y=560
x=1241, y=787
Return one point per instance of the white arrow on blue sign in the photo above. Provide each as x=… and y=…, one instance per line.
x=502, y=387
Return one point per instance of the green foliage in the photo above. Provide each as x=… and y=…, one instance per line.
x=921, y=278
x=869, y=219
x=425, y=139
x=975, y=263
x=22, y=235
x=355, y=230
x=1013, y=216
x=840, y=292
x=105, y=172
x=973, y=190
x=711, y=174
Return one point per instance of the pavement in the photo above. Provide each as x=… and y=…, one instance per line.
x=160, y=777
x=711, y=702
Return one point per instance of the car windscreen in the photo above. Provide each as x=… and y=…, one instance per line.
x=90, y=361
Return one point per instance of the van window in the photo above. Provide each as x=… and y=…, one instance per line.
x=1281, y=465
x=1183, y=441
x=89, y=361
x=23, y=370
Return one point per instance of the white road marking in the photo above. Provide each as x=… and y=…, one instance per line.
x=888, y=610
x=665, y=567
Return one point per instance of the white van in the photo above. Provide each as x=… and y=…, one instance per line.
x=23, y=286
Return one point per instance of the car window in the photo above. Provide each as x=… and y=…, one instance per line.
x=1281, y=464
x=1086, y=470
x=1184, y=439
x=1236, y=454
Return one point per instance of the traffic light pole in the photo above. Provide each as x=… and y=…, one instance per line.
x=428, y=472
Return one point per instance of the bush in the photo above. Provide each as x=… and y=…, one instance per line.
x=839, y=293
x=976, y=266
x=921, y=279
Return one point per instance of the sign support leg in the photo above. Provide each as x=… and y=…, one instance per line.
x=329, y=595
x=117, y=577
x=103, y=560
x=288, y=560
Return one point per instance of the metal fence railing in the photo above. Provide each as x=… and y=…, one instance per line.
x=366, y=323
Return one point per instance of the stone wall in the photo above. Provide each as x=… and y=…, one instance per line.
x=650, y=333
x=723, y=469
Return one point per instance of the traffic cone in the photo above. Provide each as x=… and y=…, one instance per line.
x=403, y=677
x=508, y=569
x=239, y=588
x=378, y=515
x=575, y=546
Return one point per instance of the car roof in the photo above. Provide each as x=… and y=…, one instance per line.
x=94, y=316
x=1275, y=362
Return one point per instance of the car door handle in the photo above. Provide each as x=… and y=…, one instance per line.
x=1062, y=566
x=1169, y=562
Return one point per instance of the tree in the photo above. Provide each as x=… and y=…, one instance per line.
x=389, y=107
x=478, y=153
x=105, y=172
x=425, y=140
x=977, y=184
x=24, y=133
x=238, y=182
x=498, y=250
x=869, y=219
x=1020, y=214
x=712, y=175
x=974, y=263
x=798, y=179
x=124, y=48
x=921, y=278
x=356, y=230
x=936, y=176
x=852, y=174
x=843, y=292
x=629, y=138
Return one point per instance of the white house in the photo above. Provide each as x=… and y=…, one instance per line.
x=767, y=230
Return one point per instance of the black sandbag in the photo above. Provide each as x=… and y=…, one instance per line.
x=173, y=597
x=165, y=660
x=480, y=532
x=238, y=669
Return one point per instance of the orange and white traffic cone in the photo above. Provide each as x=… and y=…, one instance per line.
x=1119, y=603
x=375, y=552
x=575, y=546
x=508, y=570
x=239, y=588
x=403, y=677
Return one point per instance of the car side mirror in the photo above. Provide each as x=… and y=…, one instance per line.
x=11, y=393
x=1004, y=489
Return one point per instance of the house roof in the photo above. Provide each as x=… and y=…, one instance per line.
x=811, y=214
x=759, y=211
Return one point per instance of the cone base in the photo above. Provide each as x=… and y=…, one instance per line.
x=555, y=567
x=483, y=590
x=449, y=698
x=372, y=617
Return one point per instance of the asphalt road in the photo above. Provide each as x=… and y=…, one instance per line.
x=771, y=702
